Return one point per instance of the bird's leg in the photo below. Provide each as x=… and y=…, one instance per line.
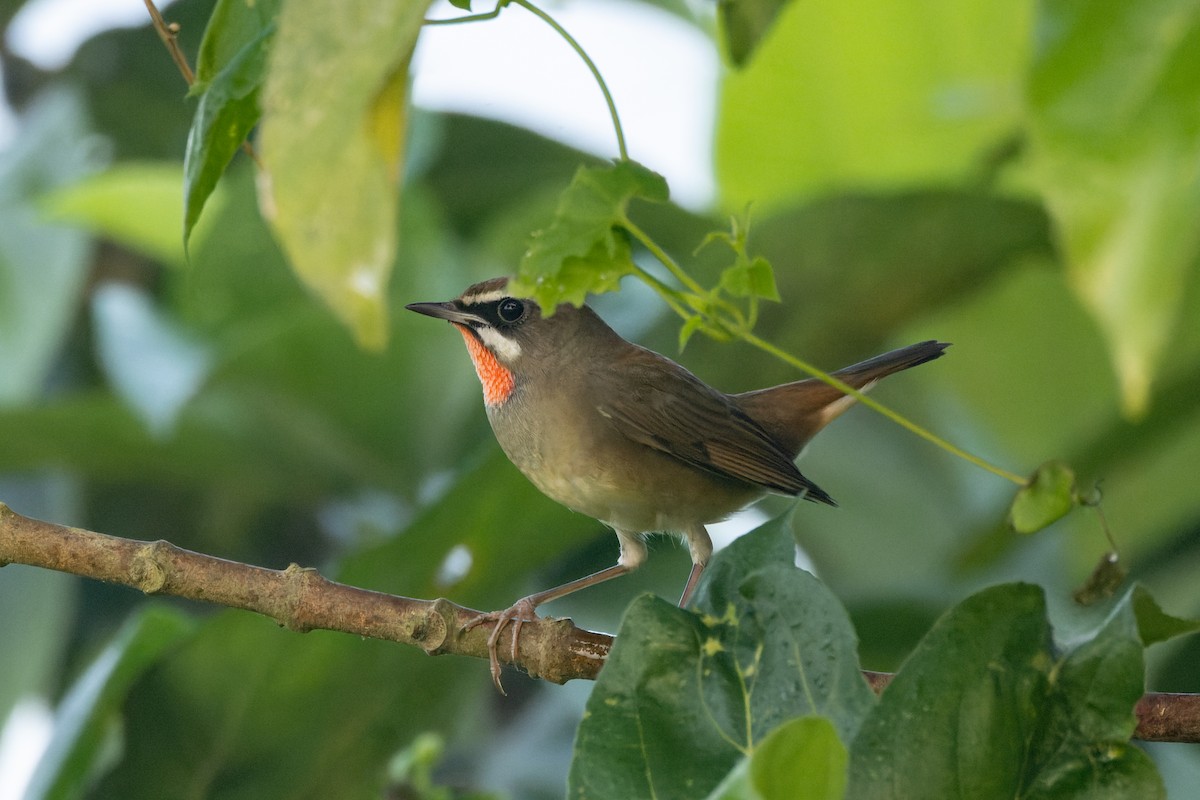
x=700, y=546
x=693, y=579
x=633, y=553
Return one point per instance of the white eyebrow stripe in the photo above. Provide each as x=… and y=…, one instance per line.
x=485, y=297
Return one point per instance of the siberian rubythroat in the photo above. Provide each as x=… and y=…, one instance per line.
x=629, y=437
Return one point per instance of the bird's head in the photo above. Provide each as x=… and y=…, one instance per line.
x=509, y=338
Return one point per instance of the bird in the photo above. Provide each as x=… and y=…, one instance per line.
x=629, y=437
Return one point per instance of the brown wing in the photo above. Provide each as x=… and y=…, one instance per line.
x=672, y=411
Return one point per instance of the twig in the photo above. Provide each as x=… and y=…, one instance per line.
x=170, y=37
x=302, y=600
x=1166, y=717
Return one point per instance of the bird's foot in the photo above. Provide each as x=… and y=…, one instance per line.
x=522, y=611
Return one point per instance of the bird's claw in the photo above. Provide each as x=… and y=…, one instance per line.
x=522, y=611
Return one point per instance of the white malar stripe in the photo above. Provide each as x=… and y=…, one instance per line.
x=483, y=297
x=507, y=350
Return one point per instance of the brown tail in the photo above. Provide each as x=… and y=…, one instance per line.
x=794, y=412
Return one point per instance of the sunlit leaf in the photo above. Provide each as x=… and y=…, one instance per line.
x=688, y=329
x=802, y=759
x=1047, y=498
x=136, y=204
x=1114, y=93
x=869, y=94
x=584, y=228
x=751, y=278
x=336, y=71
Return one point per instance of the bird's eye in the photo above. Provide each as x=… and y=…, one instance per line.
x=510, y=310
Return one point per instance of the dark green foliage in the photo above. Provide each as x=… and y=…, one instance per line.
x=1017, y=180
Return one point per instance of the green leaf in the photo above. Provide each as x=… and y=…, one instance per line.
x=1048, y=496
x=1155, y=625
x=750, y=278
x=595, y=272
x=137, y=204
x=983, y=708
x=685, y=695
x=233, y=26
x=580, y=251
x=1114, y=95
x=744, y=23
x=954, y=720
x=689, y=327
x=1081, y=748
x=84, y=719
x=875, y=94
x=802, y=759
x=43, y=265
x=227, y=112
x=331, y=139
x=799, y=760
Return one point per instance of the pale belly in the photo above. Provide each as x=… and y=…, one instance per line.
x=643, y=507
x=625, y=485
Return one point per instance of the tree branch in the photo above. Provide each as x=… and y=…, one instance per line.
x=302, y=600
x=297, y=598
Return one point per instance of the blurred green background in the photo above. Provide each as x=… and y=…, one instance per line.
x=1019, y=179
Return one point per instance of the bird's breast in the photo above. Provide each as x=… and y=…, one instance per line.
x=574, y=456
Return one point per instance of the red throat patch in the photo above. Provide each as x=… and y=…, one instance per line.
x=496, y=379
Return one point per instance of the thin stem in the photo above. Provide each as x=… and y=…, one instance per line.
x=170, y=35
x=495, y=12
x=662, y=255
x=672, y=265
x=875, y=405
x=591, y=65
x=669, y=295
